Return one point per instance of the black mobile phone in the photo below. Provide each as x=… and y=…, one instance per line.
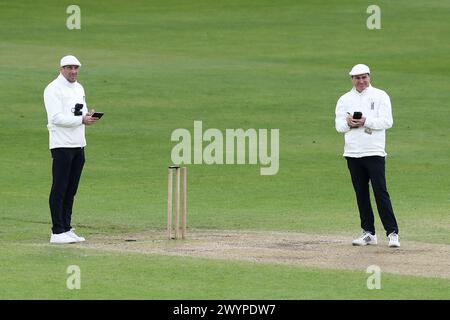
x=357, y=115
x=97, y=115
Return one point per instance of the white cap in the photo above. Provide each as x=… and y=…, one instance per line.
x=359, y=69
x=69, y=61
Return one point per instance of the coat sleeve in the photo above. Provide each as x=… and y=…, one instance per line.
x=384, y=118
x=54, y=107
x=341, y=121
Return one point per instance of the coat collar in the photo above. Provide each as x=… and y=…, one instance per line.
x=64, y=81
x=366, y=90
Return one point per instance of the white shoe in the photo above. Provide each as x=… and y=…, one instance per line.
x=61, y=238
x=365, y=239
x=393, y=240
x=72, y=234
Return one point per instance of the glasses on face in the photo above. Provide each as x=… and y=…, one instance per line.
x=364, y=77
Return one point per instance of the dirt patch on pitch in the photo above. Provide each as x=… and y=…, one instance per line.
x=290, y=248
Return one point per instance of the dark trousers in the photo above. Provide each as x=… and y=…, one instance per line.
x=363, y=170
x=66, y=169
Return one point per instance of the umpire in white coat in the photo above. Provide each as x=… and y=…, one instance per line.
x=67, y=115
x=364, y=114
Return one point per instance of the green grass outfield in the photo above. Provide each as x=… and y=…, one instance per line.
x=40, y=273
x=155, y=66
